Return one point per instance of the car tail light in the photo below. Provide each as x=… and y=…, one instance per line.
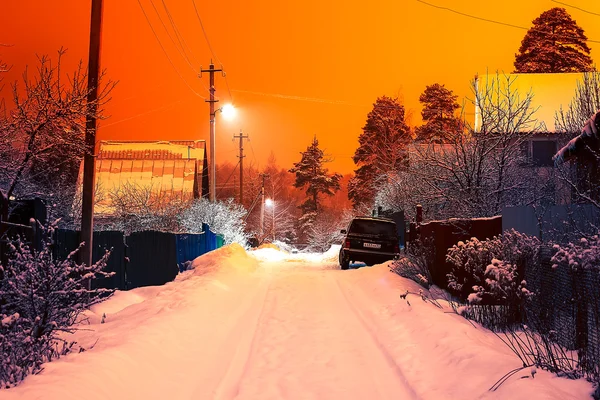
x=396, y=248
x=347, y=244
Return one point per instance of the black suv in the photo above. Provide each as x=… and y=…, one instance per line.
x=370, y=240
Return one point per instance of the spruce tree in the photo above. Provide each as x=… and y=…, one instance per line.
x=554, y=44
x=382, y=149
x=311, y=174
x=439, y=106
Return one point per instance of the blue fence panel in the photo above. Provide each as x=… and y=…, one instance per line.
x=210, y=237
x=189, y=246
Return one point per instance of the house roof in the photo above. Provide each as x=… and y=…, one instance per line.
x=171, y=170
x=170, y=179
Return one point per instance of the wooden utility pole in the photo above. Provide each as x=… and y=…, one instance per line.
x=262, y=206
x=89, y=169
x=241, y=136
x=213, y=169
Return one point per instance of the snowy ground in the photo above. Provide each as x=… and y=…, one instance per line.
x=272, y=325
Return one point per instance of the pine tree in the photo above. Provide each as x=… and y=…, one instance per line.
x=311, y=174
x=382, y=148
x=440, y=123
x=554, y=44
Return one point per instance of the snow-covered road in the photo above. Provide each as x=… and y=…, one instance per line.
x=270, y=325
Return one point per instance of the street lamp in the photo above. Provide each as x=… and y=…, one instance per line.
x=271, y=203
x=229, y=112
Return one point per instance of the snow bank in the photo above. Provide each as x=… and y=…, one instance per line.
x=227, y=259
x=442, y=355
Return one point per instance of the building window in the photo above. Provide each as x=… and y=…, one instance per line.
x=542, y=152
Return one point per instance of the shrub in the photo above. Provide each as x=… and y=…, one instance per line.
x=415, y=263
x=469, y=261
x=41, y=298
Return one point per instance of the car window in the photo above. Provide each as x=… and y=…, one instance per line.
x=370, y=227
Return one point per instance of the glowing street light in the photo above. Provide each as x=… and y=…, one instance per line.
x=269, y=202
x=229, y=112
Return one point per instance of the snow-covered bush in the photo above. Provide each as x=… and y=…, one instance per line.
x=225, y=218
x=469, y=261
x=41, y=298
x=582, y=255
x=493, y=269
x=502, y=285
x=414, y=264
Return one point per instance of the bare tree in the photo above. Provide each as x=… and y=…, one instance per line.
x=480, y=169
x=583, y=106
x=44, y=127
x=137, y=207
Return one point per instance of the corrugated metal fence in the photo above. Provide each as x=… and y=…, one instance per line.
x=142, y=258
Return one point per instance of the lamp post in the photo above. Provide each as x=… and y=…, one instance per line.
x=229, y=112
x=271, y=203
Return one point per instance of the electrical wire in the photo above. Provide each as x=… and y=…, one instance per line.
x=575, y=7
x=211, y=49
x=178, y=34
x=182, y=54
x=142, y=114
x=167, y=54
x=291, y=97
x=230, y=175
x=205, y=34
x=494, y=21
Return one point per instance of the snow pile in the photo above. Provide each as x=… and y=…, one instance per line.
x=268, y=246
x=441, y=354
x=230, y=258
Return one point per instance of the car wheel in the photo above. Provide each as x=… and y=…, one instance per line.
x=344, y=260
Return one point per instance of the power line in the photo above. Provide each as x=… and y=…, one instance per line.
x=211, y=48
x=178, y=34
x=291, y=97
x=182, y=54
x=497, y=22
x=575, y=7
x=165, y=52
x=205, y=34
x=230, y=175
x=142, y=114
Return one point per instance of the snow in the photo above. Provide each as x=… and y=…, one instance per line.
x=268, y=324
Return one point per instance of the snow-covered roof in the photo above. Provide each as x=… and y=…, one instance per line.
x=171, y=170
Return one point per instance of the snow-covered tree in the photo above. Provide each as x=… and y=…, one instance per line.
x=555, y=43
x=41, y=298
x=42, y=133
x=478, y=171
x=382, y=148
x=225, y=218
x=316, y=179
x=439, y=108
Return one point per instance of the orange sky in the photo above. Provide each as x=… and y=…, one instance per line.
x=344, y=52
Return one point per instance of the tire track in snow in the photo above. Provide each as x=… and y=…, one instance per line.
x=229, y=385
x=367, y=324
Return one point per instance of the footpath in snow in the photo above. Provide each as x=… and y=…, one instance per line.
x=272, y=325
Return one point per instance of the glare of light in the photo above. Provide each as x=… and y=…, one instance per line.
x=269, y=202
x=229, y=112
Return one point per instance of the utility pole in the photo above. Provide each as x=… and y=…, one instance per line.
x=89, y=169
x=213, y=169
x=241, y=136
x=262, y=205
